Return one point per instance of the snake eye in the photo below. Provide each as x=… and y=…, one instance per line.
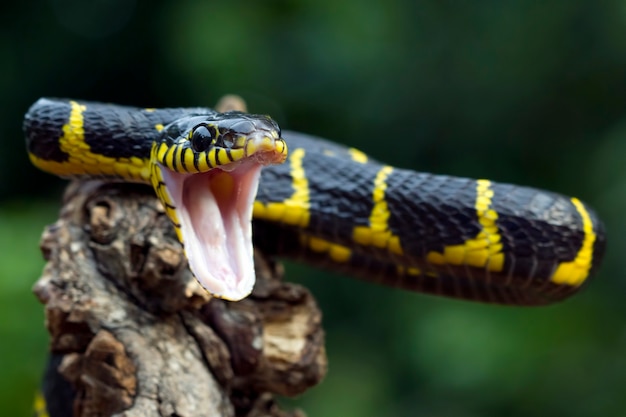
x=201, y=138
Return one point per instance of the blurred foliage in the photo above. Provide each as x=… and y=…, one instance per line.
x=516, y=91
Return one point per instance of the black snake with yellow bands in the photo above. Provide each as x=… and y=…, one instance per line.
x=326, y=204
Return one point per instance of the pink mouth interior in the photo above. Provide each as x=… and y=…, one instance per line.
x=215, y=212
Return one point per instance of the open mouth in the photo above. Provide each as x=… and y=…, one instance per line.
x=215, y=212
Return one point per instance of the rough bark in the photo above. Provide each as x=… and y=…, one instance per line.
x=139, y=336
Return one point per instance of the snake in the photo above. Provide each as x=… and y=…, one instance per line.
x=233, y=181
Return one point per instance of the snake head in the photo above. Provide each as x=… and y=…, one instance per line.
x=221, y=140
x=205, y=170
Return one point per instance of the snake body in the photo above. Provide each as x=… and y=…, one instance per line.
x=328, y=205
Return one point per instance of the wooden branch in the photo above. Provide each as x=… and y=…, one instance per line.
x=138, y=336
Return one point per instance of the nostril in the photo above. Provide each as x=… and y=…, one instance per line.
x=227, y=140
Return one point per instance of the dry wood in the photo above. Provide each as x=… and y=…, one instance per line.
x=139, y=336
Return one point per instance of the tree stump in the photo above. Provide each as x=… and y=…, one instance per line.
x=136, y=335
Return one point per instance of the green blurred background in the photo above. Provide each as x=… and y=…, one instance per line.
x=515, y=91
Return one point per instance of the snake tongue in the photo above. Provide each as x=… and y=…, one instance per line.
x=214, y=212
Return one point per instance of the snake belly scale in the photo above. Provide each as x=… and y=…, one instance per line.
x=322, y=203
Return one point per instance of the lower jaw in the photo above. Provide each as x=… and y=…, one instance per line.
x=215, y=213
